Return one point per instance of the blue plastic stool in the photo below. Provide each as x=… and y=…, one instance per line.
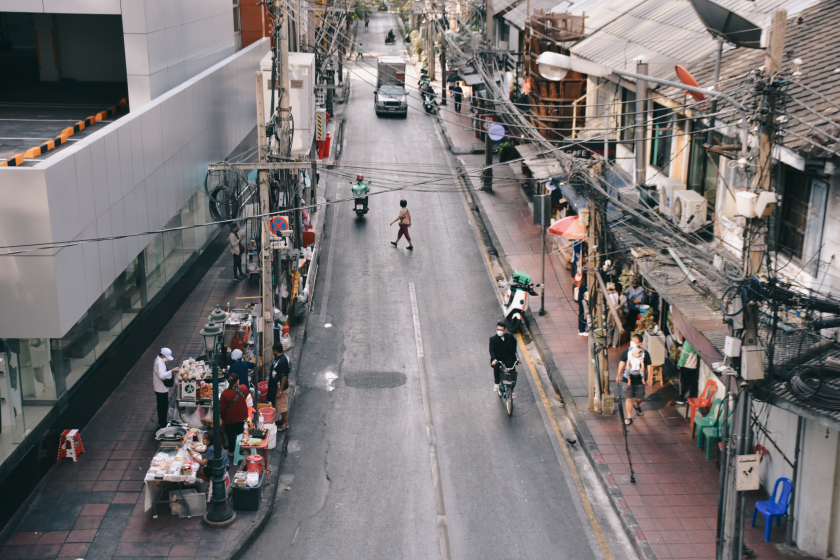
x=776, y=506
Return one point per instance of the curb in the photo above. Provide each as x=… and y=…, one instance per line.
x=587, y=441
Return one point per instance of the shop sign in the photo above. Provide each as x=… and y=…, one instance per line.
x=584, y=149
x=747, y=473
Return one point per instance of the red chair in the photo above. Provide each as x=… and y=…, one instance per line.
x=703, y=401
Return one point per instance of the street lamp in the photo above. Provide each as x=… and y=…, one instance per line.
x=220, y=514
x=554, y=67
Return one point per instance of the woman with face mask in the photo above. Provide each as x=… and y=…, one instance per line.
x=502, y=351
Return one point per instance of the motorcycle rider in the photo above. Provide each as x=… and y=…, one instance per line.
x=390, y=36
x=502, y=352
x=361, y=189
x=427, y=89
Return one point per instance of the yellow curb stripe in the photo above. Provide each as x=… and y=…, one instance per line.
x=587, y=505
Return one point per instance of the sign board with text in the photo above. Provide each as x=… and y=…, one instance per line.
x=747, y=473
x=584, y=149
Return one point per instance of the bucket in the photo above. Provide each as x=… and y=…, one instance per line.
x=267, y=415
x=262, y=387
x=254, y=463
x=272, y=435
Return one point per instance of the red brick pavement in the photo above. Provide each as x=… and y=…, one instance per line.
x=94, y=508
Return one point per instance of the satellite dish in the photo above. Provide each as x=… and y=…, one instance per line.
x=727, y=24
x=686, y=78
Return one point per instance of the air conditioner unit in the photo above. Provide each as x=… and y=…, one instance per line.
x=667, y=186
x=689, y=210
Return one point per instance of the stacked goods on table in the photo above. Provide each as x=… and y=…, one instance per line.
x=192, y=370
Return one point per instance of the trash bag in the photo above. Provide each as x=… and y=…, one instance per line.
x=301, y=302
x=286, y=340
x=194, y=419
x=174, y=413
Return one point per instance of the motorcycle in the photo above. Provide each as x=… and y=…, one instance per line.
x=507, y=383
x=390, y=40
x=515, y=301
x=429, y=103
x=360, y=191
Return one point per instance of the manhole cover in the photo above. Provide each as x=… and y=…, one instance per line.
x=375, y=379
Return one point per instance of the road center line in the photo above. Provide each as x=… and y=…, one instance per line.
x=431, y=436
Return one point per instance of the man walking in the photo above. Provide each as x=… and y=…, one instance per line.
x=689, y=371
x=634, y=370
x=635, y=297
x=235, y=241
x=159, y=373
x=367, y=21
x=361, y=53
x=405, y=221
x=278, y=385
x=619, y=303
x=457, y=95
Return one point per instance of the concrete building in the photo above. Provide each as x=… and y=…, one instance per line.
x=192, y=100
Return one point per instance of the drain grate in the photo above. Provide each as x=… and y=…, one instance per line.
x=375, y=379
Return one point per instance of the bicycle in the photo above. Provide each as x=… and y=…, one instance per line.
x=507, y=381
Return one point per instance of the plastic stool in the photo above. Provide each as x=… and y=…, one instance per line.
x=656, y=375
x=238, y=455
x=70, y=445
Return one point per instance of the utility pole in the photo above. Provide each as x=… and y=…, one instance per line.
x=431, y=30
x=443, y=78
x=488, y=144
x=589, y=216
x=755, y=243
x=265, y=242
x=641, y=121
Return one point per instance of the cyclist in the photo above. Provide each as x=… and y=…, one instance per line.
x=502, y=352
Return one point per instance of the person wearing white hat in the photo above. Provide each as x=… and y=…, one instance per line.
x=159, y=374
x=241, y=367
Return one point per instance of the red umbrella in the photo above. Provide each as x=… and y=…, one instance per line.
x=569, y=227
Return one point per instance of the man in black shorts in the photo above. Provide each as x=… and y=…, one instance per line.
x=634, y=370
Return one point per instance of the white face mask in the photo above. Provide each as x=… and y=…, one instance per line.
x=500, y=333
x=633, y=344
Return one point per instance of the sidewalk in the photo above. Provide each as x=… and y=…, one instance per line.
x=94, y=508
x=671, y=510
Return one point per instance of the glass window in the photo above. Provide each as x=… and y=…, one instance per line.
x=173, y=247
x=628, y=115
x=794, y=215
x=662, y=122
x=704, y=164
x=75, y=352
x=107, y=317
x=153, y=256
x=12, y=430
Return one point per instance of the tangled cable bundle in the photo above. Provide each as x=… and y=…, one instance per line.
x=809, y=384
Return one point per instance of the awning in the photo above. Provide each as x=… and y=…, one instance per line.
x=473, y=79
x=544, y=168
x=569, y=227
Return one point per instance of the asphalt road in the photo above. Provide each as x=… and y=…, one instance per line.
x=358, y=464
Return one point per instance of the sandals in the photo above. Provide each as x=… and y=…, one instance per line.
x=628, y=421
x=639, y=410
